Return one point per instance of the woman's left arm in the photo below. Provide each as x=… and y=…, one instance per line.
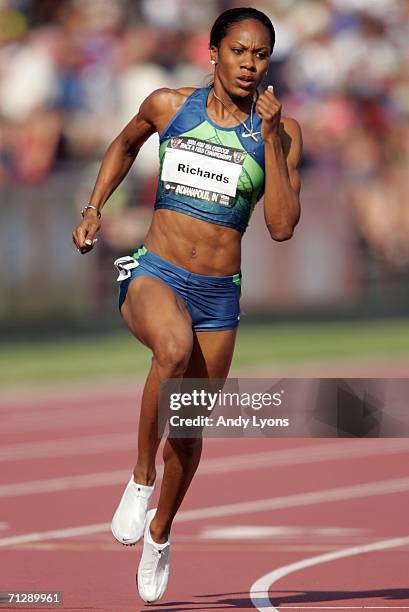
x=283, y=147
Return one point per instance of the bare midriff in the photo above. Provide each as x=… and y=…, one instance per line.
x=197, y=246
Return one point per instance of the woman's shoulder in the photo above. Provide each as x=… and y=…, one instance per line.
x=162, y=104
x=170, y=97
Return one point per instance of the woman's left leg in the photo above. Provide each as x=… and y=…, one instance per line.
x=211, y=358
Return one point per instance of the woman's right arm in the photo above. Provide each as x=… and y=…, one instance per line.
x=116, y=163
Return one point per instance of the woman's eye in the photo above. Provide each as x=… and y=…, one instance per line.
x=237, y=51
x=262, y=55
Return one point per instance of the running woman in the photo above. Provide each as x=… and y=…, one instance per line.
x=221, y=149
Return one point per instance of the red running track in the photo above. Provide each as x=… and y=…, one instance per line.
x=267, y=524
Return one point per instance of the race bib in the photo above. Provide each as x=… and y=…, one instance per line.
x=202, y=170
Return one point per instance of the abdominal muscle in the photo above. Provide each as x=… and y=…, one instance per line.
x=197, y=246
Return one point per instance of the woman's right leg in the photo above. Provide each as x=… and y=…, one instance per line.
x=159, y=318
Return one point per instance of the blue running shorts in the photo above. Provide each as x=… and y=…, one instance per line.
x=213, y=301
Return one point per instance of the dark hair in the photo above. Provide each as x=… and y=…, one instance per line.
x=234, y=15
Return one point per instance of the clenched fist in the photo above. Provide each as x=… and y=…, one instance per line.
x=268, y=107
x=83, y=235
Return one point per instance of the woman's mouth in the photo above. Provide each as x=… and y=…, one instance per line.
x=245, y=82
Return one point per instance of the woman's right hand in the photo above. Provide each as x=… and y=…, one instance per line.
x=84, y=234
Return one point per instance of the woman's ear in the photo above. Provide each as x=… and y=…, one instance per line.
x=213, y=55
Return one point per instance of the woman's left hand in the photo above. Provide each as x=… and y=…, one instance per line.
x=268, y=107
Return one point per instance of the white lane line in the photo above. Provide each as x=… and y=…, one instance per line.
x=66, y=483
x=259, y=589
x=341, y=449
x=69, y=483
x=288, y=456
x=80, y=445
x=55, y=534
x=250, y=461
x=384, y=487
x=261, y=532
x=351, y=449
x=233, y=463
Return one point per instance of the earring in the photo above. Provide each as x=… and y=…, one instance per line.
x=212, y=62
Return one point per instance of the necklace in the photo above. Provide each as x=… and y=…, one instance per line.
x=249, y=132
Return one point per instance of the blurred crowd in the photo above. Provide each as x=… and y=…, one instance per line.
x=73, y=72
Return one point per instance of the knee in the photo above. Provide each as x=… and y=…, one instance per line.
x=172, y=356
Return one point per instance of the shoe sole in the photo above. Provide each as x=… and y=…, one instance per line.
x=126, y=543
x=147, y=602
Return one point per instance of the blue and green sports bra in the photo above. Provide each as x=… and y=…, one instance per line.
x=209, y=172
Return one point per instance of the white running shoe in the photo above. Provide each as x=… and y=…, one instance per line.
x=153, y=571
x=128, y=522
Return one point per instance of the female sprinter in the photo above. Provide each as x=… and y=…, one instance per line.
x=221, y=148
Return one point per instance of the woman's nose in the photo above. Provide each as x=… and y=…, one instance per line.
x=248, y=61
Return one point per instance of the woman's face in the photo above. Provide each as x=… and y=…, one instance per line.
x=242, y=58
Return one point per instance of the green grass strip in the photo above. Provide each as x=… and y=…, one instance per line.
x=119, y=354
